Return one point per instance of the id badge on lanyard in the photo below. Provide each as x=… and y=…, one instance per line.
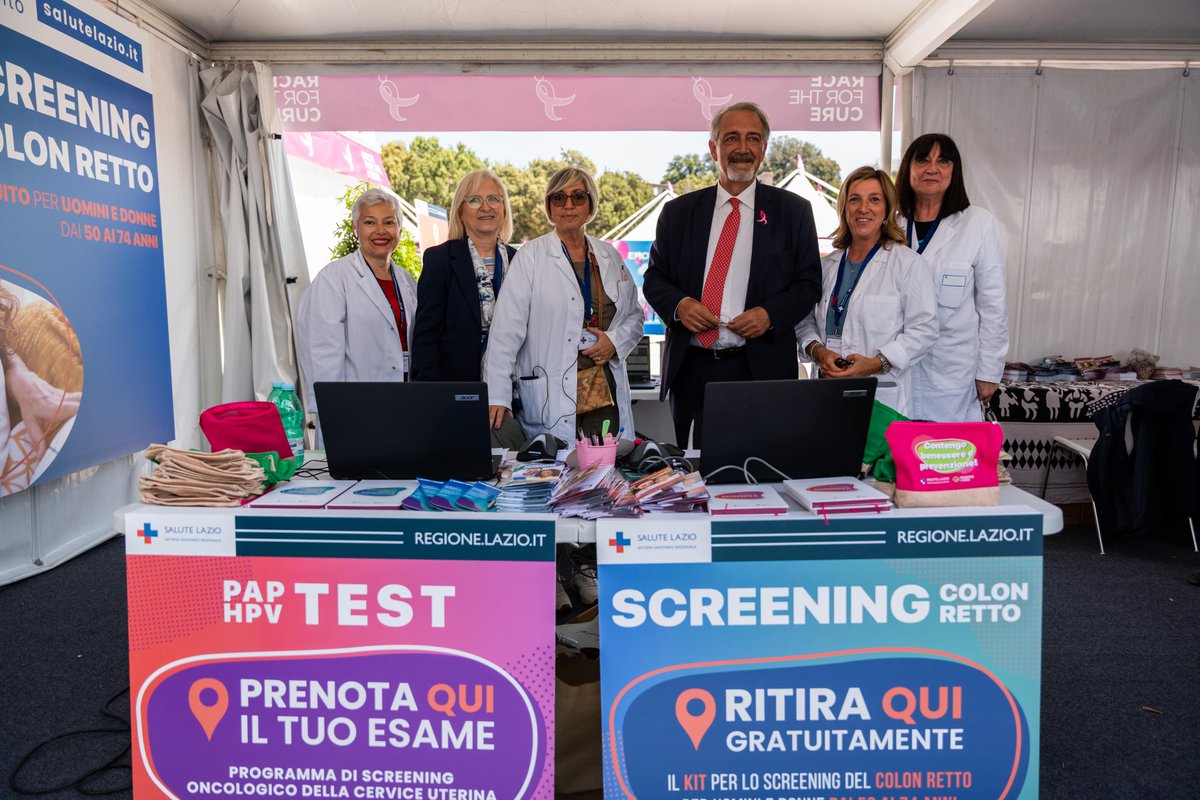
x=405, y=356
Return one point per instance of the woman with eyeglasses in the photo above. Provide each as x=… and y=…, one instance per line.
x=564, y=324
x=460, y=281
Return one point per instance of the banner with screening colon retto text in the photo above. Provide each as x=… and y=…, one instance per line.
x=892, y=656
x=86, y=375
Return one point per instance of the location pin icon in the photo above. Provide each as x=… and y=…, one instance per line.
x=695, y=725
x=208, y=715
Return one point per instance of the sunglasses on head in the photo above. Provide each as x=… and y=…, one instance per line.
x=475, y=201
x=578, y=197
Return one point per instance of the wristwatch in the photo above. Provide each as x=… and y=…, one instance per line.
x=885, y=365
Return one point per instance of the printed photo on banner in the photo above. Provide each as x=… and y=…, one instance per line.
x=41, y=382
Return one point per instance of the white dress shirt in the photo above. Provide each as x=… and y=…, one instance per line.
x=733, y=302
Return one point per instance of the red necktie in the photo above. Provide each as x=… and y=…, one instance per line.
x=714, y=283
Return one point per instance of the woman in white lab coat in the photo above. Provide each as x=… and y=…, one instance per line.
x=355, y=320
x=876, y=316
x=962, y=244
x=552, y=319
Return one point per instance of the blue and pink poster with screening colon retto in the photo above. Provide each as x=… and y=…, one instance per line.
x=297, y=667
x=893, y=657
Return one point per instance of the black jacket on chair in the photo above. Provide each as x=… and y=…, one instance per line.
x=1136, y=490
x=447, y=332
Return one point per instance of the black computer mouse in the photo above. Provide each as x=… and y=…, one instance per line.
x=543, y=447
x=650, y=449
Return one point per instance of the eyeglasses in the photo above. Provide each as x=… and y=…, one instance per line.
x=475, y=201
x=578, y=197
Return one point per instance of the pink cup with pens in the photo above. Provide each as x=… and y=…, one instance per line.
x=588, y=454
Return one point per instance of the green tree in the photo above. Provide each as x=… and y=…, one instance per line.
x=525, y=197
x=527, y=190
x=691, y=166
x=405, y=254
x=621, y=194
x=427, y=171
x=781, y=160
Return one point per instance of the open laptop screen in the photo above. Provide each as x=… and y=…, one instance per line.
x=405, y=430
x=803, y=428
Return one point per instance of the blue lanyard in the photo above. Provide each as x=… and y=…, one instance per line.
x=585, y=283
x=840, y=299
x=497, y=272
x=929, y=235
x=403, y=321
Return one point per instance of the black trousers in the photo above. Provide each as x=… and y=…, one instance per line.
x=687, y=390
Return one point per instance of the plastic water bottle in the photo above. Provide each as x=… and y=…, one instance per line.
x=273, y=397
x=293, y=420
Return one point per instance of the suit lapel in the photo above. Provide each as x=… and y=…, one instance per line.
x=702, y=217
x=369, y=284
x=462, y=268
x=764, y=212
x=943, y=235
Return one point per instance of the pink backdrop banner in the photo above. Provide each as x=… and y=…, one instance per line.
x=570, y=103
x=338, y=153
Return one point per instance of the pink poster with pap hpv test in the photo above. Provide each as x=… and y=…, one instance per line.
x=300, y=668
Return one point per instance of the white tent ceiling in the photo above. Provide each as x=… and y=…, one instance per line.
x=901, y=31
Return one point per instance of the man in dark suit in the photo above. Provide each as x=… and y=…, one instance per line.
x=733, y=269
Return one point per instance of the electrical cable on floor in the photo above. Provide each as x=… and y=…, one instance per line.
x=85, y=783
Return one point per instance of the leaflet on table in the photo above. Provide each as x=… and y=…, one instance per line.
x=480, y=497
x=881, y=657
x=327, y=676
x=374, y=494
x=302, y=493
x=746, y=498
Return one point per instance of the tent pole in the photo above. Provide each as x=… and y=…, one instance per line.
x=886, y=112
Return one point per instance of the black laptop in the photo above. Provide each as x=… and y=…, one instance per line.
x=803, y=428
x=405, y=430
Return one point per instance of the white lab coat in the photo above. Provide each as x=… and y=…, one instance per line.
x=892, y=310
x=346, y=330
x=966, y=255
x=535, y=335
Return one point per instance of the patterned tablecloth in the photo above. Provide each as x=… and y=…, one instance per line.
x=1033, y=413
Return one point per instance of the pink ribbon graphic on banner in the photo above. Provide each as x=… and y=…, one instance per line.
x=391, y=96
x=702, y=91
x=545, y=92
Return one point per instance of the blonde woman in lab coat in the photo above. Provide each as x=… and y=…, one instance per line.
x=552, y=319
x=877, y=314
x=355, y=320
x=962, y=244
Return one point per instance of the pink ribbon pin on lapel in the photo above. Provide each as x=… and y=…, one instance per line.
x=762, y=217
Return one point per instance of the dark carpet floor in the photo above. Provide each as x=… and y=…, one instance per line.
x=1121, y=668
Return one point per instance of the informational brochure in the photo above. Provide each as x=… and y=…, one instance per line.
x=374, y=494
x=302, y=493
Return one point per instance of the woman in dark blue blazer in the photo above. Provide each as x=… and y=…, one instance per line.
x=460, y=280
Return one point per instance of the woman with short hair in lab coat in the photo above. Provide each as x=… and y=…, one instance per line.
x=569, y=303
x=962, y=244
x=876, y=316
x=355, y=320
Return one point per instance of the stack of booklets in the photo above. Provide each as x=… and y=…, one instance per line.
x=593, y=492
x=526, y=489
x=735, y=498
x=431, y=495
x=670, y=490
x=825, y=496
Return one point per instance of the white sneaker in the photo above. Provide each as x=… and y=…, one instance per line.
x=583, y=578
x=561, y=598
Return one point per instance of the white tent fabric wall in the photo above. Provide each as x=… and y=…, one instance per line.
x=49, y=524
x=256, y=217
x=1094, y=176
